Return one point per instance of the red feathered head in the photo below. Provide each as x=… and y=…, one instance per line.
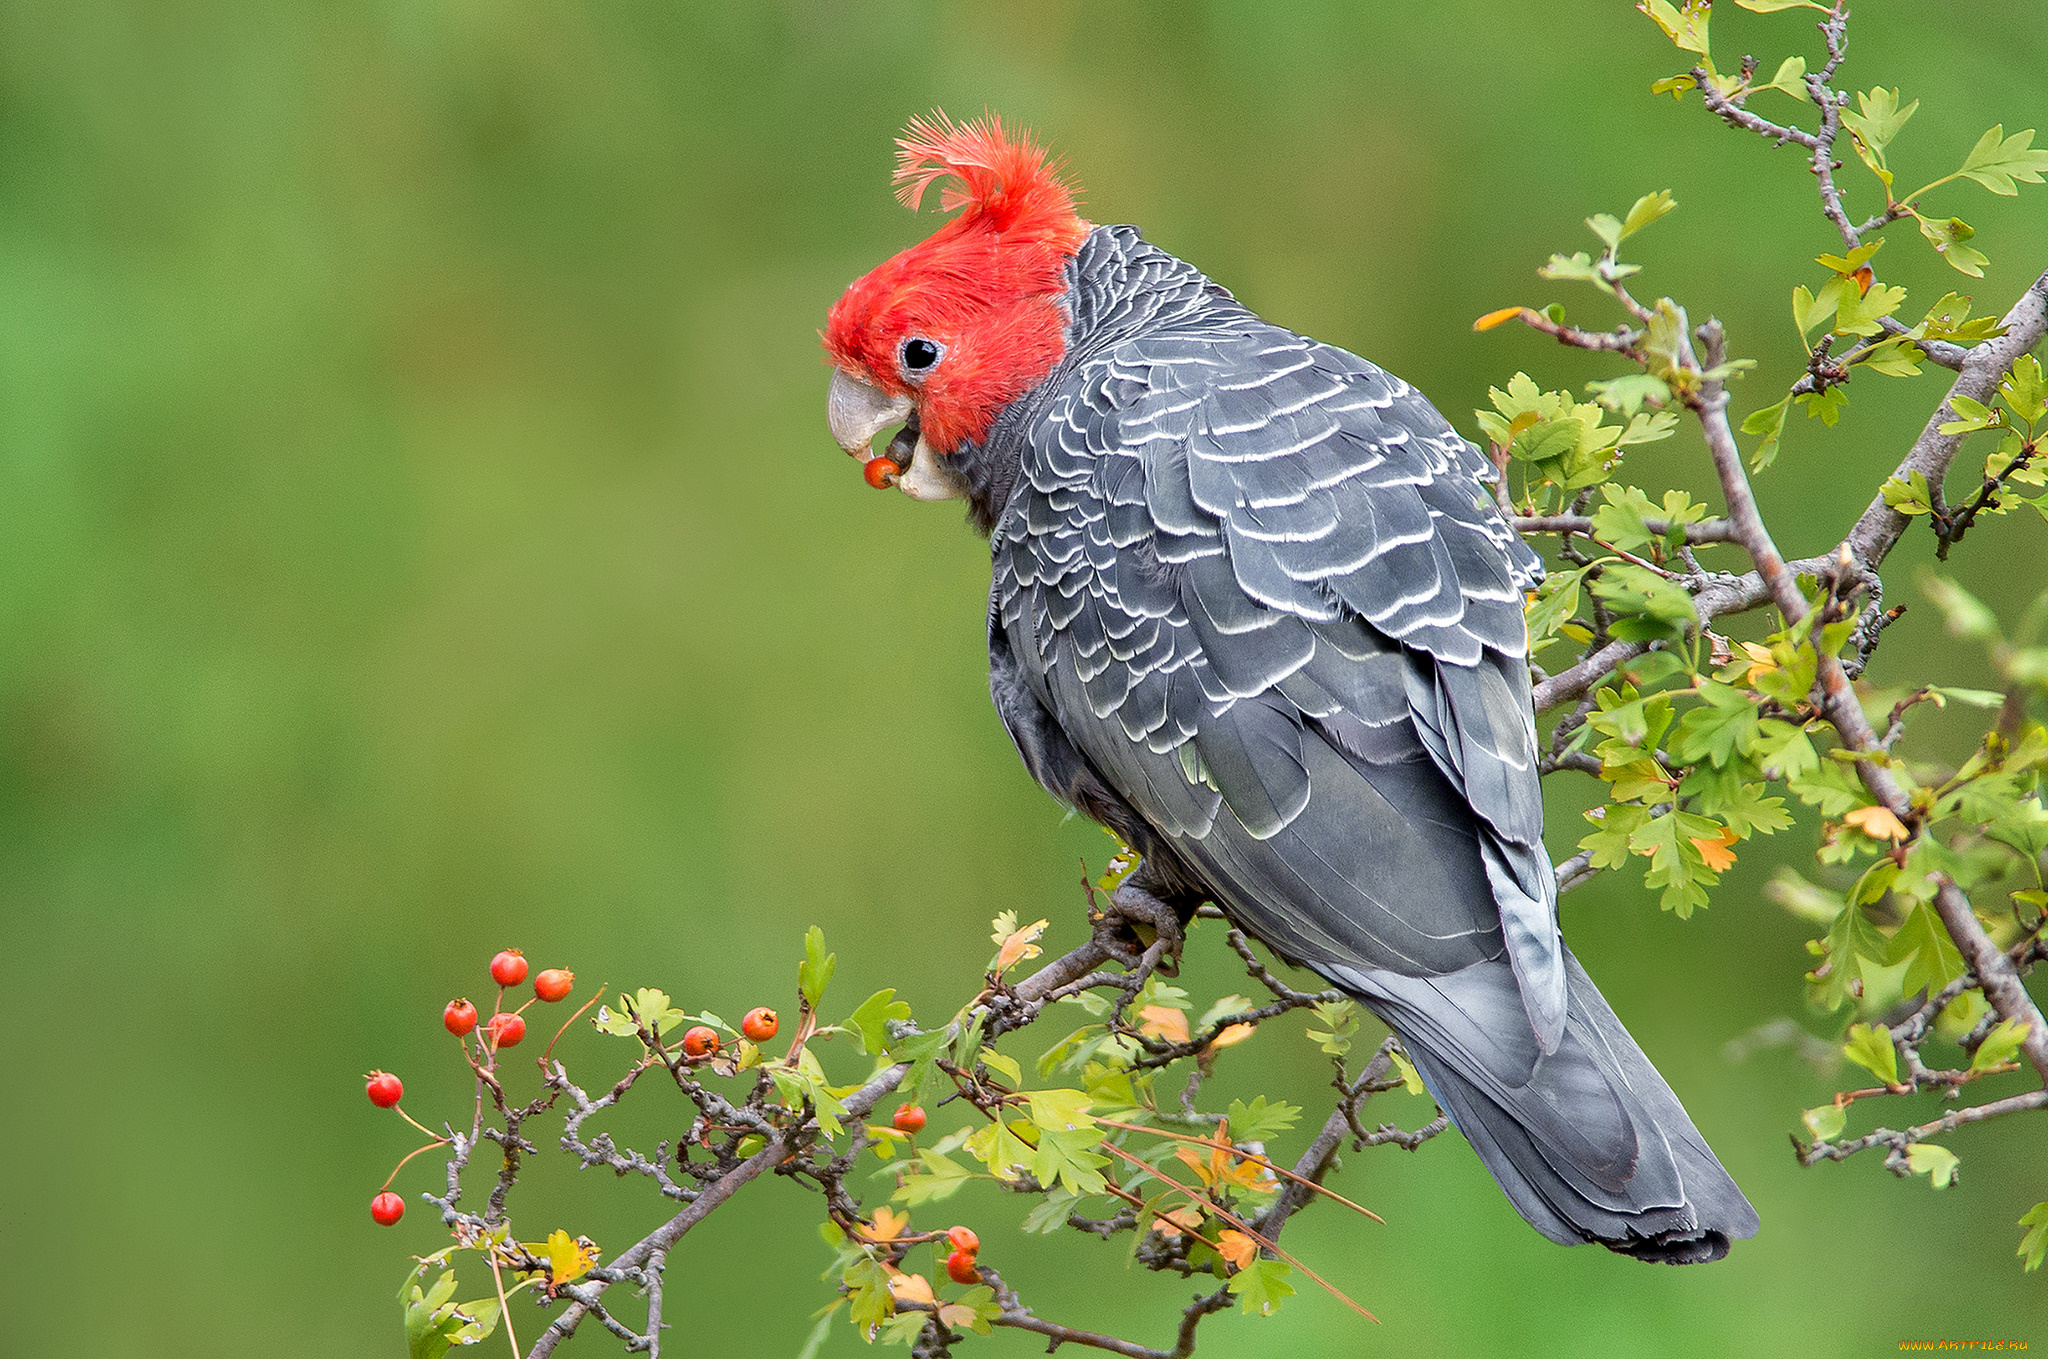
x=966, y=321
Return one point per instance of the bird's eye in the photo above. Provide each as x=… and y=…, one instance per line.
x=919, y=354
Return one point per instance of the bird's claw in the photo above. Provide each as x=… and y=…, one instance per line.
x=1153, y=925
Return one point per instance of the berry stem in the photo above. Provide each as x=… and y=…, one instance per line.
x=504, y=1312
x=595, y=997
x=417, y=1124
x=437, y=1142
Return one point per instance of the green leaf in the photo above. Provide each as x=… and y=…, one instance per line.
x=1938, y=1164
x=1769, y=422
x=1002, y=1065
x=1825, y=1122
x=1619, y=522
x=867, y=1286
x=1873, y=1050
x=1966, y=614
x=1810, y=309
x=1628, y=393
x=1339, y=1020
x=2000, y=1046
x=1829, y=786
x=1646, y=210
x=1259, y=1120
x=433, y=1324
x=1791, y=76
x=1973, y=698
x=1997, y=160
x=1614, y=827
x=871, y=1020
x=937, y=1178
x=981, y=1300
x=1784, y=750
x=1935, y=961
x=1974, y=416
x=815, y=1341
x=1850, y=940
x=1725, y=723
x=1676, y=864
x=815, y=972
x=1262, y=1285
x=1553, y=602
x=1060, y=1110
x=1749, y=812
x=2034, y=1245
x=1948, y=237
x=1858, y=312
x=1065, y=1158
x=1893, y=358
x=1909, y=497
x=1648, y=606
x=1948, y=319
x=1827, y=406
x=1051, y=1213
x=2025, y=389
x=1854, y=260
x=1877, y=121
x=999, y=1147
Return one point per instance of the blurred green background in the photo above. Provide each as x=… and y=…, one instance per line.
x=419, y=534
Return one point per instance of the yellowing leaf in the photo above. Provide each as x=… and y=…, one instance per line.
x=1232, y=1035
x=1716, y=851
x=1877, y=822
x=1411, y=1079
x=1163, y=1021
x=1237, y=1248
x=911, y=1288
x=1495, y=318
x=1018, y=945
x=567, y=1257
x=1188, y=1157
x=888, y=1224
x=958, y=1316
x=1186, y=1219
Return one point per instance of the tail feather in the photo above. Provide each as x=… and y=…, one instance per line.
x=1587, y=1142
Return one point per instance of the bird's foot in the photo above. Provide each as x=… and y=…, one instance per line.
x=1148, y=927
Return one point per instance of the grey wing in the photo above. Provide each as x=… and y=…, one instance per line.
x=1262, y=588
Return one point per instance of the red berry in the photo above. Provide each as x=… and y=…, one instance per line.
x=509, y=968
x=506, y=1030
x=554, y=983
x=700, y=1041
x=878, y=472
x=909, y=1118
x=385, y=1089
x=960, y=1268
x=386, y=1208
x=963, y=1238
x=760, y=1024
x=460, y=1017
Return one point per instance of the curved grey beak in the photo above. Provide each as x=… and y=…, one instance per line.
x=858, y=411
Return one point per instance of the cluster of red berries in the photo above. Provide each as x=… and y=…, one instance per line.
x=504, y=1029
x=960, y=1266
x=507, y=1027
x=758, y=1026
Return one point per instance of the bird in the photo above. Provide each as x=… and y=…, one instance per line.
x=1255, y=608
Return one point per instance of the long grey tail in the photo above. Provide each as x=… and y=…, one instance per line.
x=1588, y=1142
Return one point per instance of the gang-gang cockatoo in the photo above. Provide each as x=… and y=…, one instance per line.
x=1255, y=610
